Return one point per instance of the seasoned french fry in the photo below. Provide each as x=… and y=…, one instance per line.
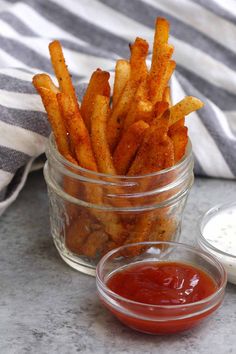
x=55, y=118
x=160, y=151
x=170, y=68
x=157, y=79
x=160, y=156
x=138, y=71
x=140, y=233
x=78, y=232
x=94, y=243
x=176, y=125
x=163, y=228
x=138, y=67
x=167, y=96
x=98, y=85
x=49, y=99
x=159, y=109
x=101, y=148
x=140, y=107
x=122, y=75
x=115, y=122
x=161, y=55
x=98, y=135
x=78, y=132
x=61, y=71
x=84, y=154
x=128, y=145
x=157, y=146
x=144, y=111
x=110, y=245
x=161, y=37
x=184, y=107
x=179, y=136
x=44, y=80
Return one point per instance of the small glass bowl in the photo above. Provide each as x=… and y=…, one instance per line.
x=159, y=319
x=228, y=260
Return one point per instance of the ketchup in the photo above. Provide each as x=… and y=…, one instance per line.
x=162, y=283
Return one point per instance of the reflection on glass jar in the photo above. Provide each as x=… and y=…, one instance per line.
x=92, y=213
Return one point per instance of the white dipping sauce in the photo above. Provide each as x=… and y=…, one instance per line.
x=220, y=232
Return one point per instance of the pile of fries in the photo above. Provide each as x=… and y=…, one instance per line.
x=137, y=131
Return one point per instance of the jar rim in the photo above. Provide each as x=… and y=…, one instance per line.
x=186, y=159
x=203, y=220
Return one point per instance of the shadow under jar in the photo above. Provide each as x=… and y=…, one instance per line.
x=92, y=213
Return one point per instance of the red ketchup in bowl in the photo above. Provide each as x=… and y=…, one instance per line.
x=166, y=297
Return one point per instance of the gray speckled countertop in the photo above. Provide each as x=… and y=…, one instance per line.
x=46, y=307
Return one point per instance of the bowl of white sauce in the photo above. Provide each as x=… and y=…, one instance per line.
x=218, y=236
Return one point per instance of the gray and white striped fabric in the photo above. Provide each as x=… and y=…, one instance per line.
x=94, y=34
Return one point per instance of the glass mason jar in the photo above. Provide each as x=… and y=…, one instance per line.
x=92, y=213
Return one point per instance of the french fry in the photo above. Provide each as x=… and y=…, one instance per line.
x=159, y=110
x=163, y=77
x=94, y=243
x=184, y=107
x=138, y=66
x=61, y=71
x=144, y=111
x=101, y=148
x=167, y=96
x=138, y=70
x=140, y=108
x=78, y=232
x=49, y=99
x=157, y=146
x=84, y=154
x=44, y=80
x=98, y=85
x=78, y=132
x=122, y=75
x=161, y=55
x=170, y=68
x=115, y=122
x=176, y=125
x=161, y=156
x=157, y=79
x=161, y=37
x=179, y=136
x=140, y=233
x=128, y=145
x=55, y=118
x=110, y=245
x=98, y=135
x=160, y=151
x=163, y=228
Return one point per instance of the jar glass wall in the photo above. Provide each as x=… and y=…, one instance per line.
x=92, y=213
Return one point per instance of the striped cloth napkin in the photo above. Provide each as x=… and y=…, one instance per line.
x=94, y=34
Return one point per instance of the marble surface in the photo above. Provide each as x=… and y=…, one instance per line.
x=46, y=307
